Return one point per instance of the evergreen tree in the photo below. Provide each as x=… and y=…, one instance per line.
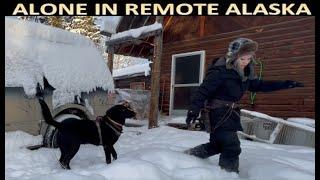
x=85, y=25
x=56, y=21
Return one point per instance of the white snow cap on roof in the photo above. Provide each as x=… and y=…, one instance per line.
x=70, y=62
x=136, y=33
x=110, y=23
x=131, y=70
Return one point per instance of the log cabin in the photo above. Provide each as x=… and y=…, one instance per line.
x=191, y=43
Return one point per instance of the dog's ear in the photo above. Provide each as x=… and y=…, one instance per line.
x=125, y=104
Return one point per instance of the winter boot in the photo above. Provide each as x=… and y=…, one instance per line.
x=230, y=165
x=202, y=151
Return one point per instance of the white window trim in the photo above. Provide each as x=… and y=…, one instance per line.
x=201, y=76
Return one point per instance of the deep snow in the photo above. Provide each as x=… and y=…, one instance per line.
x=155, y=154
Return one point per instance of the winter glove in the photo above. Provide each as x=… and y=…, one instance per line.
x=293, y=84
x=191, y=116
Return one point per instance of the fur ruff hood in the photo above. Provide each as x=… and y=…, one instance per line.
x=238, y=47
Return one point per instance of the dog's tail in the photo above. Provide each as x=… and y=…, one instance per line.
x=47, y=114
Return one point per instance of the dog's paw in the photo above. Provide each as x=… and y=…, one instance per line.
x=108, y=161
x=115, y=157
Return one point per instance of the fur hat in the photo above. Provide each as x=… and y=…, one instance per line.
x=238, y=47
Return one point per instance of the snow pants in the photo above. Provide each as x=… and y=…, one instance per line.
x=224, y=142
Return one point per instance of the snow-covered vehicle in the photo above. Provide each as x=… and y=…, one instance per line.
x=69, y=67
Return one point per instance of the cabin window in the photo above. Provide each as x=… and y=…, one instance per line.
x=186, y=76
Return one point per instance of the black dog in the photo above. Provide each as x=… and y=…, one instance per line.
x=72, y=132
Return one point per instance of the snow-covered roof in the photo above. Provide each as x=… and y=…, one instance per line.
x=110, y=23
x=70, y=62
x=133, y=70
x=135, y=33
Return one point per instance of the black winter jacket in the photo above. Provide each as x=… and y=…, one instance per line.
x=226, y=84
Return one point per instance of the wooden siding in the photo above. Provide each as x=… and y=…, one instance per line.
x=286, y=46
x=125, y=83
x=181, y=28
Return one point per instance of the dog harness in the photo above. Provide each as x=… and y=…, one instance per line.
x=118, y=132
x=98, y=120
x=118, y=124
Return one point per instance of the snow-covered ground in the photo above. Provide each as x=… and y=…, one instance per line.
x=155, y=154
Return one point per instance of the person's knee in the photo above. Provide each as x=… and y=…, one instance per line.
x=235, y=149
x=232, y=150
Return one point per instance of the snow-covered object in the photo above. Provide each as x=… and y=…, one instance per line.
x=70, y=62
x=259, y=114
x=278, y=120
x=110, y=23
x=135, y=33
x=132, y=70
x=304, y=121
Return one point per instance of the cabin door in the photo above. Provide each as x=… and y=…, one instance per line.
x=187, y=74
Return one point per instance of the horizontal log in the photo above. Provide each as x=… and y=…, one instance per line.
x=282, y=107
x=290, y=94
x=267, y=36
x=289, y=51
x=287, y=65
x=291, y=23
x=287, y=114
